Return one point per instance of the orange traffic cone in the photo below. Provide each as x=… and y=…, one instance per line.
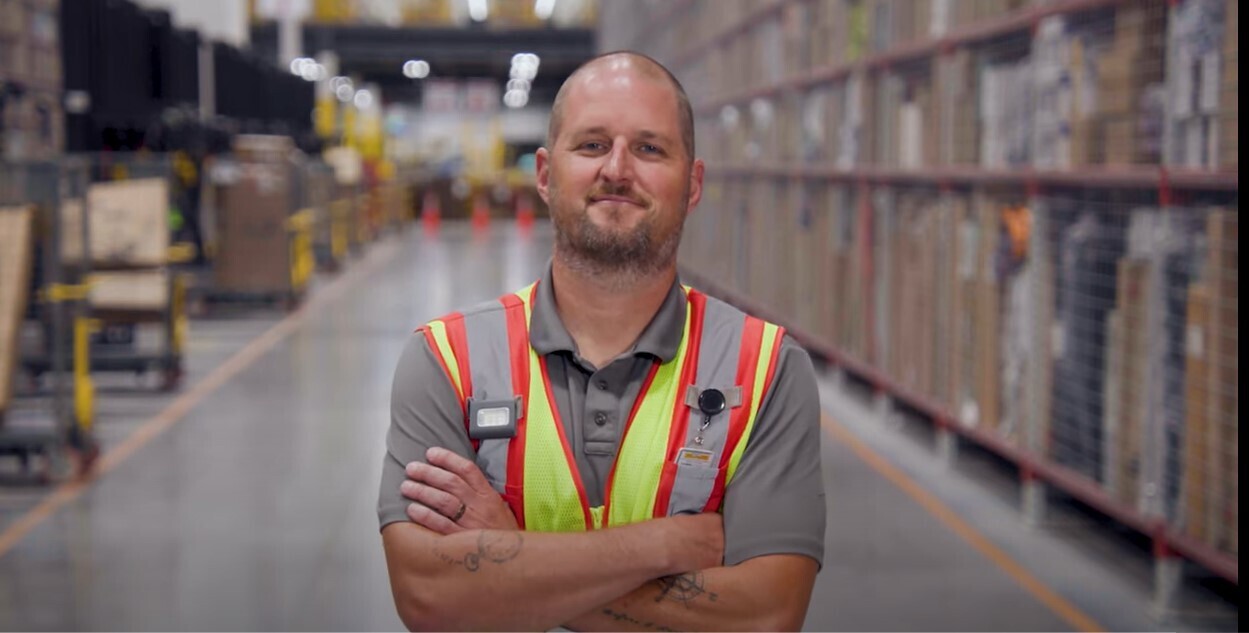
x=431, y=212
x=524, y=212
x=481, y=213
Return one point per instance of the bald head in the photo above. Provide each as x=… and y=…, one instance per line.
x=626, y=61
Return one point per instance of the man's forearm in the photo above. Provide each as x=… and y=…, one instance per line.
x=759, y=595
x=519, y=580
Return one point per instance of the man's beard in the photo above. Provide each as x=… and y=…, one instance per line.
x=621, y=257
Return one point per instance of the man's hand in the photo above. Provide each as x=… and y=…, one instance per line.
x=451, y=494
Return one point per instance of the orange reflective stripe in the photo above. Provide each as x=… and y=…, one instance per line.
x=747, y=365
x=458, y=338
x=518, y=350
x=697, y=303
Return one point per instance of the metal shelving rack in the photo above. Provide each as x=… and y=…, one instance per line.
x=59, y=304
x=655, y=32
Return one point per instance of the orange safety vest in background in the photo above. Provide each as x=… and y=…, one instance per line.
x=661, y=469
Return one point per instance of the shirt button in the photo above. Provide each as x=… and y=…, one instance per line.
x=602, y=384
x=600, y=418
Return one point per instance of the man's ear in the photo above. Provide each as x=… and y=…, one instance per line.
x=543, y=162
x=696, y=184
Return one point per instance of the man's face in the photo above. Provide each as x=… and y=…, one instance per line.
x=617, y=178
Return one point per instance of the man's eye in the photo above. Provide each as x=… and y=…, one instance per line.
x=593, y=146
x=650, y=149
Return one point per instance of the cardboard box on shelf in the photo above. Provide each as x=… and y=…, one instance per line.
x=129, y=222
x=1198, y=485
x=1222, y=232
x=1132, y=306
x=146, y=290
x=15, y=261
x=253, y=253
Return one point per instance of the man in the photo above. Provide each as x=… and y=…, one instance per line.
x=607, y=449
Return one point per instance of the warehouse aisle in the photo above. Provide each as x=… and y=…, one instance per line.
x=255, y=510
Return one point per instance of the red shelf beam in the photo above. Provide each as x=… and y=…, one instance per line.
x=1021, y=20
x=1106, y=177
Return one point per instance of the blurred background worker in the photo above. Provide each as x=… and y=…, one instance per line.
x=1004, y=231
x=688, y=407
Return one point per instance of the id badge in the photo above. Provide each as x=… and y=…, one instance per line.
x=695, y=457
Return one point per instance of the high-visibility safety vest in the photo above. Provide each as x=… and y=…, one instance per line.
x=661, y=468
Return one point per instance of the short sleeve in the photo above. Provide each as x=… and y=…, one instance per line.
x=775, y=502
x=424, y=412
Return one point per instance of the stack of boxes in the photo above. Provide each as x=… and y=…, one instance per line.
x=32, y=122
x=253, y=250
x=1195, y=83
x=958, y=132
x=1210, y=484
x=1129, y=84
x=129, y=244
x=1229, y=93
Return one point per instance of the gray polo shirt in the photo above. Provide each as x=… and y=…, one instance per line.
x=775, y=503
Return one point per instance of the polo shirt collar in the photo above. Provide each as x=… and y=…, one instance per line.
x=661, y=338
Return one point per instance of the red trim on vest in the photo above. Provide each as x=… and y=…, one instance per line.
x=457, y=337
x=518, y=350
x=681, y=412
x=637, y=404
x=747, y=366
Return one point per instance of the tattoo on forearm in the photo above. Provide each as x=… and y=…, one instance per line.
x=628, y=619
x=492, y=547
x=684, y=588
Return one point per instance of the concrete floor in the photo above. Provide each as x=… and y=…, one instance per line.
x=246, y=501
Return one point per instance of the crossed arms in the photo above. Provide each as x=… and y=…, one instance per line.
x=663, y=574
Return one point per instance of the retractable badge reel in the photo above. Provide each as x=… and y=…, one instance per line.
x=711, y=402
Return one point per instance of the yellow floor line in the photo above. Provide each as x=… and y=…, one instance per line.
x=1078, y=620
x=151, y=429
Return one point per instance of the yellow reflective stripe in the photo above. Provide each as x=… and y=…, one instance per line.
x=552, y=503
x=524, y=295
x=770, y=341
x=439, y=330
x=643, y=452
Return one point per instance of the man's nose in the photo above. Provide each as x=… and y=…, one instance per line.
x=618, y=168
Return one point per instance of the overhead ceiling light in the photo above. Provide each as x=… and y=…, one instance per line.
x=544, y=9
x=516, y=98
x=309, y=71
x=479, y=10
x=340, y=81
x=409, y=69
x=523, y=72
x=363, y=99
x=518, y=84
x=420, y=69
x=299, y=63
x=344, y=92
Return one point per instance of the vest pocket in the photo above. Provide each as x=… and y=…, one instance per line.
x=692, y=488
